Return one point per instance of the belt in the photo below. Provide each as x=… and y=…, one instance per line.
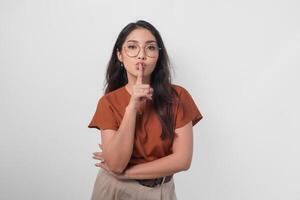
x=154, y=182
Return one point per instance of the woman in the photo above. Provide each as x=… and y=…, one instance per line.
x=145, y=121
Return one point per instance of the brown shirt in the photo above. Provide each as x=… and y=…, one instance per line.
x=148, y=145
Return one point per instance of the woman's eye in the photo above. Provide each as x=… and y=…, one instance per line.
x=152, y=48
x=131, y=47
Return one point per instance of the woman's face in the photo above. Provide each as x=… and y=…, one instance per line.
x=139, y=48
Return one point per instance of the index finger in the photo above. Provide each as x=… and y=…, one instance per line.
x=139, y=79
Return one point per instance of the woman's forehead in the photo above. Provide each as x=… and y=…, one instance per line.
x=140, y=35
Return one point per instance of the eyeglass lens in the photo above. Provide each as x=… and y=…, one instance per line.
x=133, y=49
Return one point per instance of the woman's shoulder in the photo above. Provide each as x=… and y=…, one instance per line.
x=114, y=95
x=179, y=89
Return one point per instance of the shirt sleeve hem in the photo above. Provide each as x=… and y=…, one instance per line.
x=102, y=127
x=194, y=120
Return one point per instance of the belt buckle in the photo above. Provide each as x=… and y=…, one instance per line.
x=150, y=182
x=154, y=182
x=158, y=181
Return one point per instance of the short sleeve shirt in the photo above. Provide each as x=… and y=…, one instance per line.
x=148, y=145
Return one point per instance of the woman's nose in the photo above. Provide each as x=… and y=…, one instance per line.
x=142, y=54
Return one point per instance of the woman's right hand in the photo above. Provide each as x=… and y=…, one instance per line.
x=140, y=92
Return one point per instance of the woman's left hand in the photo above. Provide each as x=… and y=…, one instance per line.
x=103, y=165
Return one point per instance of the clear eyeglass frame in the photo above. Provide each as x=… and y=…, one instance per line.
x=135, y=52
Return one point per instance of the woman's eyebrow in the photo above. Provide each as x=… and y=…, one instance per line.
x=149, y=41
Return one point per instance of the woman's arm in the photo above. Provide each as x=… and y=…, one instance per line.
x=179, y=160
x=117, y=146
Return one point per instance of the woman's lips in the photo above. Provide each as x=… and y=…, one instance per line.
x=140, y=63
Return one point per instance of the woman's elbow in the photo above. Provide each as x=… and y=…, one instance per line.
x=115, y=165
x=186, y=164
x=115, y=169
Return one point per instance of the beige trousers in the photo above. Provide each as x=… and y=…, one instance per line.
x=107, y=187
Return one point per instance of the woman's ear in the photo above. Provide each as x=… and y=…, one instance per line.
x=120, y=57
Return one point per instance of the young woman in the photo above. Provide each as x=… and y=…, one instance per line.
x=145, y=121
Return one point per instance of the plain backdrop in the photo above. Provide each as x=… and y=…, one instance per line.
x=238, y=59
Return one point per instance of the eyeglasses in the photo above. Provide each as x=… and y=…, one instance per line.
x=133, y=49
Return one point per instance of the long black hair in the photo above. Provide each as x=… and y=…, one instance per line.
x=164, y=95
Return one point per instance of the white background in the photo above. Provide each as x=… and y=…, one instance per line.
x=238, y=59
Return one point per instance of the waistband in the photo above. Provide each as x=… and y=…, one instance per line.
x=154, y=182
